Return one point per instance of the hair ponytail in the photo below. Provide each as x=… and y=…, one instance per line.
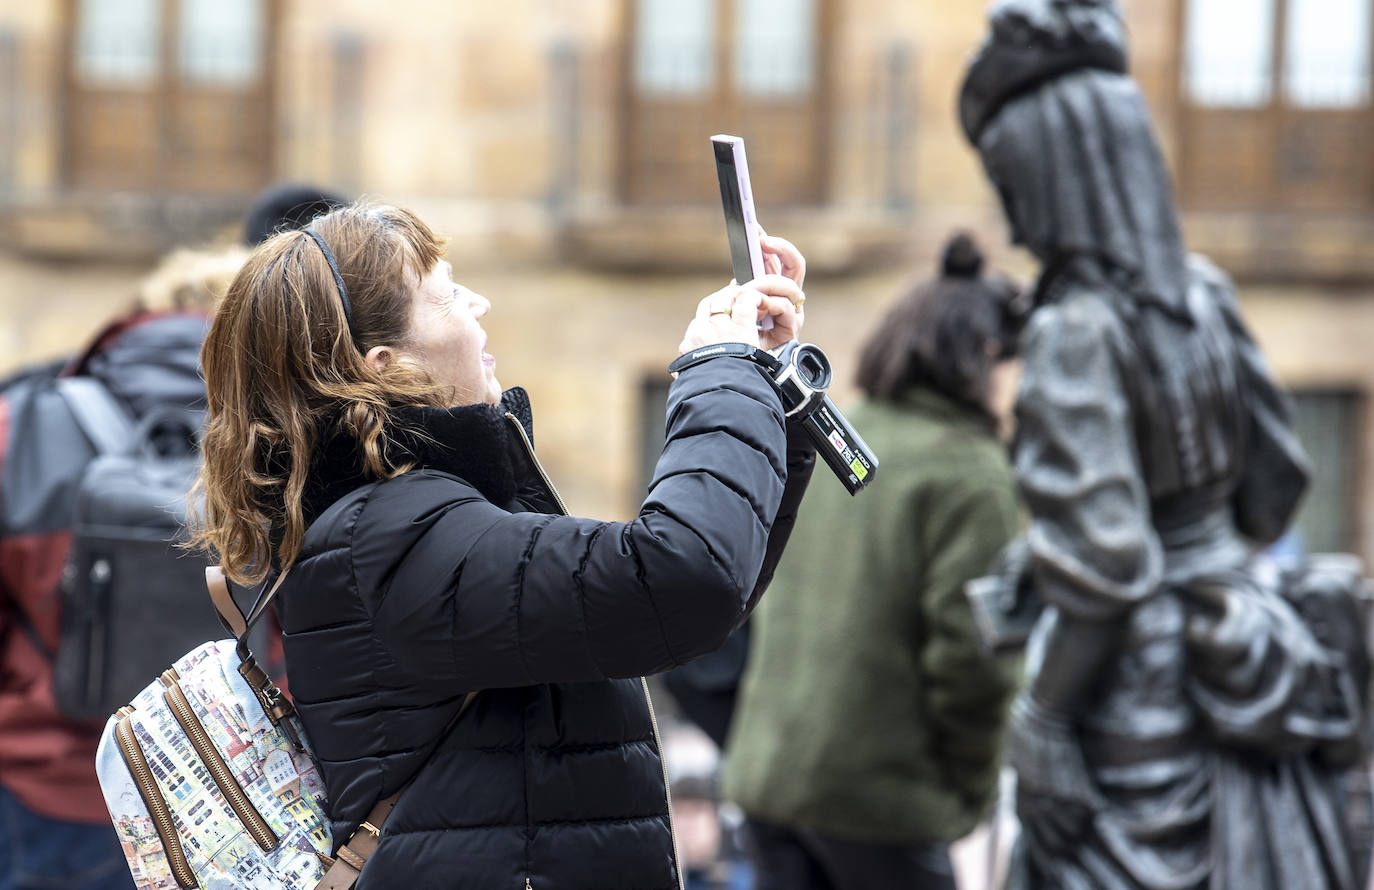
x=937, y=334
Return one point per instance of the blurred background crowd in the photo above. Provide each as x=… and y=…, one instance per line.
x=563, y=146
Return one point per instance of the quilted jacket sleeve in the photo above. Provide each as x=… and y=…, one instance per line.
x=472, y=597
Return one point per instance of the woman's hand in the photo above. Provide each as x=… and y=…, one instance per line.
x=732, y=314
x=781, y=257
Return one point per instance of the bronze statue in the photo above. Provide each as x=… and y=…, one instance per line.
x=1192, y=706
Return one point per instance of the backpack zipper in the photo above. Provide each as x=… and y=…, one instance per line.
x=648, y=699
x=96, y=629
x=252, y=820
x=152, y=798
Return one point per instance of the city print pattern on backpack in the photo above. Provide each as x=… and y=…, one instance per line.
x=275, y=799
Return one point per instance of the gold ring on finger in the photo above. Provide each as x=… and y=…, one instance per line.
x=801, y=301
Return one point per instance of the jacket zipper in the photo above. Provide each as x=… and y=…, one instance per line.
x=648, y=699
x=667, y=789
x=152, y=798
x=252, y=820
x=529, y=449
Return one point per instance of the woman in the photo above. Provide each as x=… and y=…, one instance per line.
x=870, y=724
x=359, y=439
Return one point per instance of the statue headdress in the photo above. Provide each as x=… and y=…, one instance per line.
x=1034, y=41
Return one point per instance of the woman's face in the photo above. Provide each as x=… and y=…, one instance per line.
x=446, y=336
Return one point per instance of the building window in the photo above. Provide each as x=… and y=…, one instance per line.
x=755, y=68
x=118, y=42
x=1277, y=109
x=1228, y=53
x=1328, y=423
x=674, y=47
x=169, y=95
x=775, y=43
x=221, y=43
x=1326, y=54
x=653, y=407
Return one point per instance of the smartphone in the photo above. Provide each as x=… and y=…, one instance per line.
x=741, y=224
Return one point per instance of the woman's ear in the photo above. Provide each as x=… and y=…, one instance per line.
x=379, y=358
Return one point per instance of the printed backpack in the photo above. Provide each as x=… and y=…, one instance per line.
x=210, y=780
x=208, y=775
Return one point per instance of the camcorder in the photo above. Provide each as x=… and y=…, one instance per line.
x=801, y=379
x=800, y=371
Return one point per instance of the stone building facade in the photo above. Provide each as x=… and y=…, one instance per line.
x=562, y=144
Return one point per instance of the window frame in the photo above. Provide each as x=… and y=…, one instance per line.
x=1352, y=477
x=727, y=104
x=1288, y=157
x=167, y=103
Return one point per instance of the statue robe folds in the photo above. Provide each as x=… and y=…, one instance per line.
x=1193, y=709
x=1194, y=706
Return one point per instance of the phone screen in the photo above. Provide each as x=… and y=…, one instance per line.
x=736, y=230
x=736, y=198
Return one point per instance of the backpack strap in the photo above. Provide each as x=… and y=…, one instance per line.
x=353, y=855
x=24, y=622
x=109, y=428
x=104, y=421
x=230, y=615
x=343, y=871
x=276, y=706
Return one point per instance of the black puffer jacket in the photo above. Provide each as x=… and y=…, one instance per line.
x=454, y=577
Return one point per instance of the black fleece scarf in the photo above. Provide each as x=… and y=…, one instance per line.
x=474, y=442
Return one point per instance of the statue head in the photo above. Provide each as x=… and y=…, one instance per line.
x=1066, y=138
x=1033, y=42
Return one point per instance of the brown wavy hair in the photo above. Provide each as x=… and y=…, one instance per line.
x=280, y=365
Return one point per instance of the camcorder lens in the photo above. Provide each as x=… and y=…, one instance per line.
x=813, y=367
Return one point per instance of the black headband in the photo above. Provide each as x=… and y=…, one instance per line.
x=338, y=281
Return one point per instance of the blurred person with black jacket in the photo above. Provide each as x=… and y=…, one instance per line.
x=148, y=358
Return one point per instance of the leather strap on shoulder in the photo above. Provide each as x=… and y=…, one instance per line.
x=230, y=615
x=225, y=607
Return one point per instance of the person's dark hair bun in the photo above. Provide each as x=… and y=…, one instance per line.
x=961, y=258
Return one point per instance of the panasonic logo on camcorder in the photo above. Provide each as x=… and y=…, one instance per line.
x=705, y=352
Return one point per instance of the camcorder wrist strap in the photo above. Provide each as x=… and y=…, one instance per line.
x=726, y=350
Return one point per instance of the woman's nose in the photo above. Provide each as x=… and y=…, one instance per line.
x=479, y=304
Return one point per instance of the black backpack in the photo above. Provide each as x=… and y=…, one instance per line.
x=126, y=611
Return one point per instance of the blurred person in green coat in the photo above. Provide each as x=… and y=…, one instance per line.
x=871, y=722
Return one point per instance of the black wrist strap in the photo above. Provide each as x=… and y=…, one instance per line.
x=725, y=350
